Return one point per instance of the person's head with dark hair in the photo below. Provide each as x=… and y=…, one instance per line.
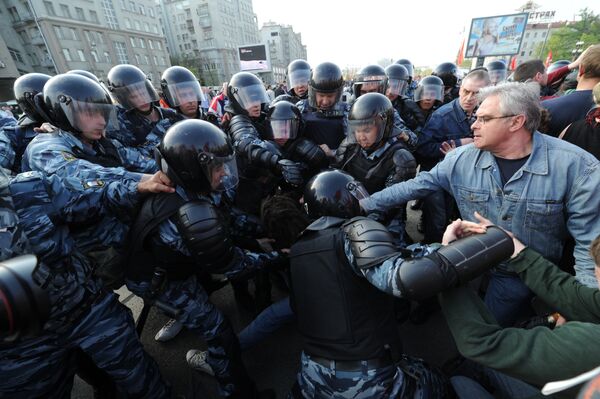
x=533, y=70
x=283, y=219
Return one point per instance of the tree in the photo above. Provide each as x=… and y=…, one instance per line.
x=563, y=40
x=193, y=64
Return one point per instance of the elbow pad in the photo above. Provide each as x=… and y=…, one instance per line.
x=311, y=153
x=370, y=242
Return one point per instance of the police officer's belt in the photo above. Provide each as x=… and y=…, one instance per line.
x=354, y=365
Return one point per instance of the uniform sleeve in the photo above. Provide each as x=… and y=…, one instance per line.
x=400, y=127
x=136, y=159
x=13, y=241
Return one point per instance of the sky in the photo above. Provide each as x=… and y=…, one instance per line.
x=358, y=33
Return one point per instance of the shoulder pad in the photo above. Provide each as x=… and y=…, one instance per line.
x=370, y=242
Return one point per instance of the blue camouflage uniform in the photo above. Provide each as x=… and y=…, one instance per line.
x=315, y=380
x=14, y=138
x=82, y=315
x=138, y=133
x=410, y=92
x=184, y=292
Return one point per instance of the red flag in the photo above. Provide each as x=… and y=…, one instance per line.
x=549, y=58
x=513, y=63
x=461, y=56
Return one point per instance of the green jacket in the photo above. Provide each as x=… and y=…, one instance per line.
x=538, y=355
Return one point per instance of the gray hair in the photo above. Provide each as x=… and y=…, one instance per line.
x=479, y=74
x=516, y=99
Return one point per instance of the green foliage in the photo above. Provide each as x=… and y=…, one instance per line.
x=562, y=41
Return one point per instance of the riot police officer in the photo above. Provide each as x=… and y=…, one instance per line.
x=142, y=124
x=408, y=110
x=182, y=92
x=323, y=111
x=498, y=71
x=370, y=79
x=15, y=138
x=298, y=75
x=412, y=84
x=429, y=95
x=343, y=272
x=191, y=231
x=448, y=72
x=374, y=155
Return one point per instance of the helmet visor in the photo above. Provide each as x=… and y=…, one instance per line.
x=184, y=92
x=90, y=117
x=429, y=92
x=299, y=78
x=397, y=87
x=497, y=76
x=366, y=132
x=135, y=95
x=221, y=172
x=371, y=84
x=357, y=190
x=285, y=129
x=250, y=96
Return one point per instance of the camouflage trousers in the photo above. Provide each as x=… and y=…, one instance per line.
x=198, y=314
x=320, y=382
x=43, y=367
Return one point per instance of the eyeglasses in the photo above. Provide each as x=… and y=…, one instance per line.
x=484, y=119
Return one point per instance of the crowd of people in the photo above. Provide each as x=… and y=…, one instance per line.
x=111, y=183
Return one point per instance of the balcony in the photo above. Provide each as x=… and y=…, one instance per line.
x=37, y=40
x=47, y=62
x=24, y=20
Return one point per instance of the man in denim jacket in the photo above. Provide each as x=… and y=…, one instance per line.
x=539, y=187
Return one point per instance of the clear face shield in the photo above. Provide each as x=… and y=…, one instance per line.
x=135, y=95
x=357, y=190
x=371, y=84
x=221, y=172
x=497, y=76
x=88, y=117
x=429, y=92
x=251, y=97
x=397, y=87
x=366, y=132
x=284, y=130
x=299, y=81
x=185, y=92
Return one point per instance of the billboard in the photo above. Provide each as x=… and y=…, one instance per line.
x=495, y=36
x=254, y=58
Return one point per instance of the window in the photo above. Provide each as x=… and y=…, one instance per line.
x=277, y=34
x=49, y=8
x=146, y=60
x=522, y=53
x=150, y=44
x=123, y=4
x=58, y=32
x=14, y=15
x=34, y=59
x=142, y=43
x=137, y=59
x=79, y=13
x=530, y=52
x=132, y=41
x=15, y=54
x=535, y=34
x=95, y=56
x=100, y=37
x=67, y=54
x=24, y=37
x=109, y=14
x=155, y=29
x=146, y=27
x=142, y=10
x=122, y=57
x=107, y=58
x=137, y=25
x=73, y=34
x=81, y=55
x=163, y=61
x=94, y=16
x=132, y=6
x=64, y=10
x=159, y=45
x=127, y=23
x=155, y=58
x=151, y=11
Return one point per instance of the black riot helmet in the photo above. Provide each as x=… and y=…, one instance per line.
x=24, y=307
x=130, y=87
x=87, y=74
x=25, y=89
x=370, y=79
x=285, y=121
x=179, y=86
x=298, y=75
x=430, y=87
x=246, y=91
x=558, y=64
x=448, y=72
x=325, y=78
x=497, y=71
x=409, y=67
x=370, y=113
x=398, y=79
x=76, y=104
x=197, y=156
x=333, y=193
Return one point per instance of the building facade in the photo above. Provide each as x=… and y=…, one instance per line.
x=284, y=47
x=206, y=33
x=57, y=36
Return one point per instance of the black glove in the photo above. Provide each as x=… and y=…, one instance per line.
x=291, y=172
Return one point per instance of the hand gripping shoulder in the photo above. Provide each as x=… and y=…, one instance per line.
x=371, y=243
